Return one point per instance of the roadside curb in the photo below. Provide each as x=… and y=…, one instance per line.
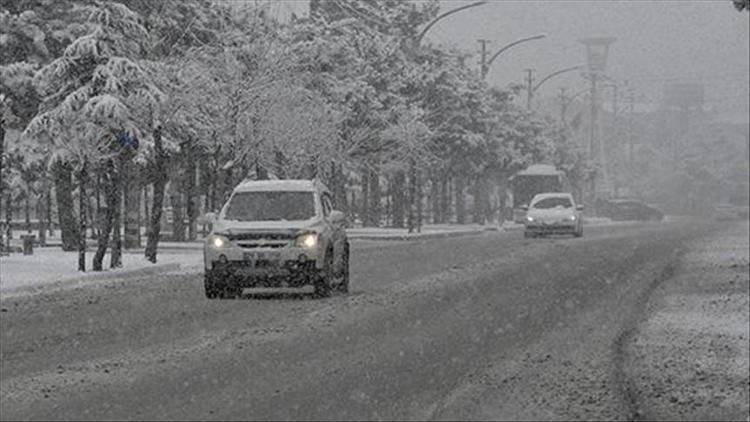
x=415, y=236
x=90, y=277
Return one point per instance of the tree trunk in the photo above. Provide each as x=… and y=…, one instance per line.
x=411, y=220
x=98, y=195
x=117, y=190
x=40, y=214
x=132, y=194
x=191, y=172
x=160, y=181
x=420, y=191
x=145, y=204
x=2, y=154
x=338, y=184
x=260, y=172
x=8, y=218
x=458, y=192
x=502, y=193
x=106, y=216
x=365, y=214
x=280, y=164
x=444, y=198
x=434, y=199
x=105, y=227
x=178, y=222
x=48, y=211
x=69, y=234
x=82, y=176
x=374, y=205
x=227, y=185
x=480, y=199
x=27, y=212
x=399, y=199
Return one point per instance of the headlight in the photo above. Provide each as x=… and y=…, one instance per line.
x=307, y=240
x=573, y=218
x=218, y=241
x=529, y=219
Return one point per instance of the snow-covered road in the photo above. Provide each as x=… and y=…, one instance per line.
x=484, y=327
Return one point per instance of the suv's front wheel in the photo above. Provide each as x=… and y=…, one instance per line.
x=216, y=288
x=324, y=279
x=343, y=285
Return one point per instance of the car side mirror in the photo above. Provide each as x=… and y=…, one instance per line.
x=336, y=216
x=579, y=207
x=525, y=207
x=207, y=218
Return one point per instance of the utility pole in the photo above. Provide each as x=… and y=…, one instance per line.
x=597, y=49
x=592, y=76
x=631, y=110
x=529, y=87
x=483, y=65
x=563, y=104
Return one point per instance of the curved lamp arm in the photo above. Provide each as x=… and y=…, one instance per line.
x=450, y=12
x=535, y=37
x=552, y=75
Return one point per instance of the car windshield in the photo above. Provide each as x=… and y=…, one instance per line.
x=553, y=202
x=271, y=206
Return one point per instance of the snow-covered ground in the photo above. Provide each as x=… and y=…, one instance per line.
x=690, y=359
x=49, y=266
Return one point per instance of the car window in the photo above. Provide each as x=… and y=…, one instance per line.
x=553, y=202
x=326, y=203
x=270, y=206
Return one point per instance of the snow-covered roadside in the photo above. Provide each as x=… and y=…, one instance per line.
x=690, y=359
x=52, y=266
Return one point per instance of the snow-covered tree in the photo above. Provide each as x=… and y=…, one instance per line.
x=96, y=90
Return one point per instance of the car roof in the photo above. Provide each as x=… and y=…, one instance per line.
x=298, y=185
x=540, y=196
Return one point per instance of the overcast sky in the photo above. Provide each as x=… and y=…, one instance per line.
x=657, y=41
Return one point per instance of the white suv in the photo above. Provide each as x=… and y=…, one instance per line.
x=277, y=233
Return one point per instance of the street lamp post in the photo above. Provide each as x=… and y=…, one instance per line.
x=531, y=89
x=412, y=45
x=565, y=101
x=485, y=64
x=597, y=49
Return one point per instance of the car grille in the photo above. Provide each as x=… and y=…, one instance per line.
x=259, y=236
x=254, y=245
x=262, y=240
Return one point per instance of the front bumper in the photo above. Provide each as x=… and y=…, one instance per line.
x=251, y=274
x=552, y=228
x=280, y=260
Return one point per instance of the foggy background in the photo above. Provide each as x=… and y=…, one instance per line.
x=706, y=42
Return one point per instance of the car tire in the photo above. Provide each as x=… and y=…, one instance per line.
x=527, y=234
x=216, y=289
x=212, y=292
x=324, y=278
x=343, y=286
x=211, y=287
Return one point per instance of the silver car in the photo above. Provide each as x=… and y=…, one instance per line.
x=277, y=233
x=553, y=213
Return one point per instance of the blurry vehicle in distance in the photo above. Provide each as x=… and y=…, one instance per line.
x=535, y=179
x=628, y=210
x=277, y=233
x=724, y=211
x=553, y=213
